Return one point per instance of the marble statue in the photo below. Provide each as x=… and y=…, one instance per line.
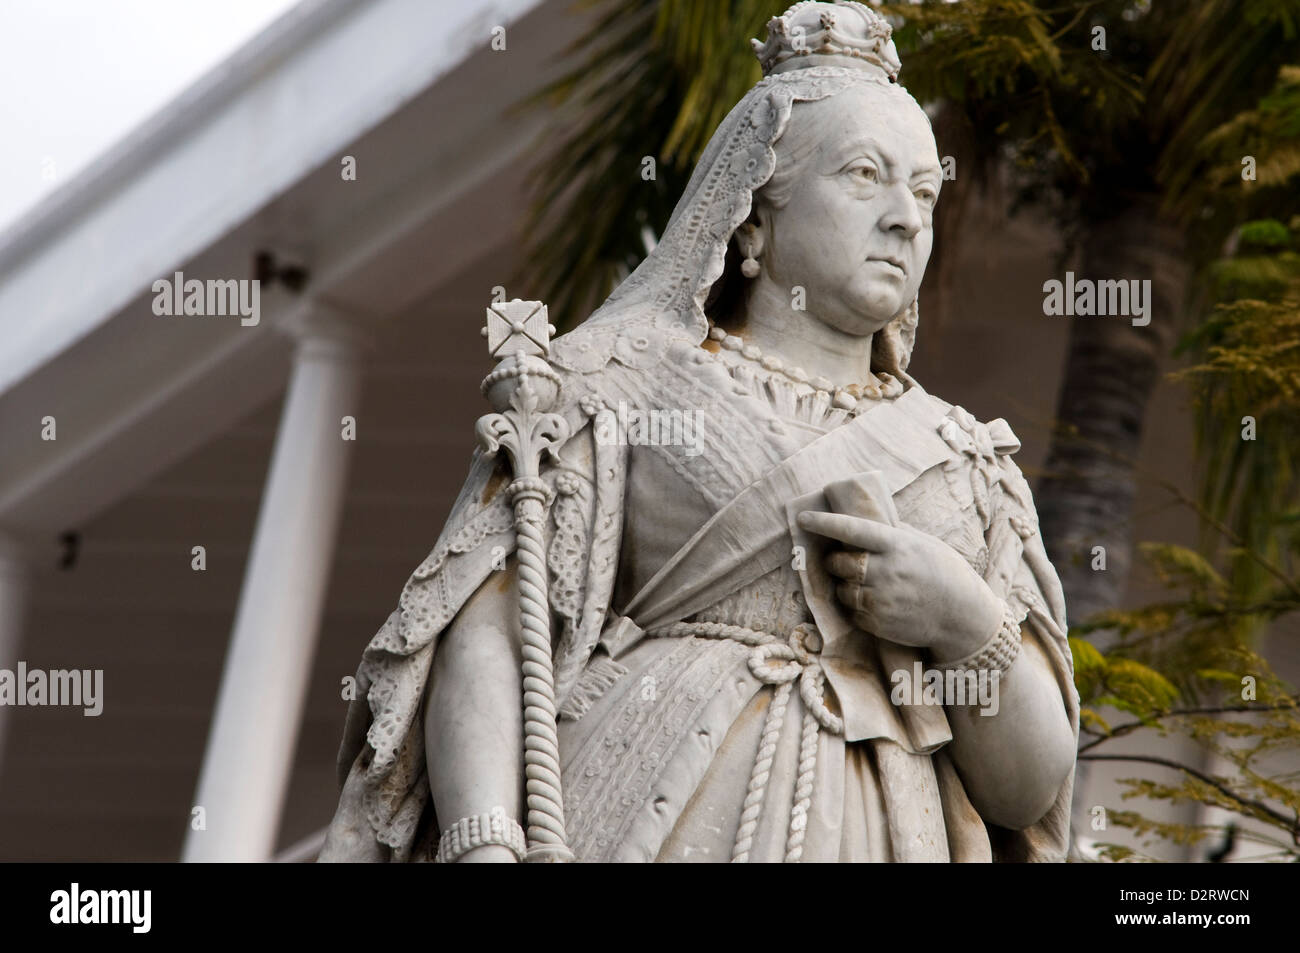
x=719, y=557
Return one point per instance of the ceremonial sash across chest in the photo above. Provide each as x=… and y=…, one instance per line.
x=749, y=536
x=753, y=534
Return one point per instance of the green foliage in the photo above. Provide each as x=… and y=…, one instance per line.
x=1268, y=132
x=692, y=34
x=590, y=202
x=1246, y=351
x=1249, y=367
x=1250, y=737
x=1117, y=682
x=1179, y=565
x=1089, y=668
x=1187, y=667
x=1024, y=74
x=1202, y=638
x=1266, y=234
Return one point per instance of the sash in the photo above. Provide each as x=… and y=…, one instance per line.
x=749, y=537
x=752, y=536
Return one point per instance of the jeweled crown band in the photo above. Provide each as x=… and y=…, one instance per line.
x=814, y=33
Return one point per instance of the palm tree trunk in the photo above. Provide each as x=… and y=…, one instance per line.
x=1085, y=498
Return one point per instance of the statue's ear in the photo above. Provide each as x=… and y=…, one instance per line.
x=751, y=239
x=891, y=349
x=753, y=231
x=887, y=351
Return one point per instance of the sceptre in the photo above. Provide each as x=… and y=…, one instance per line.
x=522, y=389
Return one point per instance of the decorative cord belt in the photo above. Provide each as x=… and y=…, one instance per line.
x=781, y=664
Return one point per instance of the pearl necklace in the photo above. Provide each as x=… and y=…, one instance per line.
x=880, y=386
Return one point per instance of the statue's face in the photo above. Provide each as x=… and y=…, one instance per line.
x=855, y=231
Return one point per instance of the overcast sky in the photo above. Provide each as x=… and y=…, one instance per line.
x=77, y=75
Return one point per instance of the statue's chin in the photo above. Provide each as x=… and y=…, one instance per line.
x=859, y=324
x=871, y=310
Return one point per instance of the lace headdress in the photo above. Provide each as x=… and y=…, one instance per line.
x=813, y=51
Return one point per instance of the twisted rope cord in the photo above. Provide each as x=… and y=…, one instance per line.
x=546, y=835
x=759, y=776
x=803, y=788
x=713, y=630
x=811, y=690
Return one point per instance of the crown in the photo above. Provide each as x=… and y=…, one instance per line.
x=811, y=31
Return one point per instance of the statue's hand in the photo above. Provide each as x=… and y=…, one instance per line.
x=907, y=586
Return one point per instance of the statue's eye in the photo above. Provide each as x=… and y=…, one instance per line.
x=925, y=194
x=867, y=172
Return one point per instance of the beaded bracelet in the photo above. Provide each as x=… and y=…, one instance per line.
x=479, y=830
x=995, y=655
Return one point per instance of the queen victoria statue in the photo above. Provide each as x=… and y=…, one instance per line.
x=724, y=582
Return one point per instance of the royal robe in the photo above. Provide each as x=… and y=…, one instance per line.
x=659, y=735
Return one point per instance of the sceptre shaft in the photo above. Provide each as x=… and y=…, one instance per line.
x=522, y=389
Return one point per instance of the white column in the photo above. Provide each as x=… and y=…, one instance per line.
x=255, y=728
x=15, y=583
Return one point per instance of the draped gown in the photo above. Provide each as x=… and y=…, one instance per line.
x=667, y=738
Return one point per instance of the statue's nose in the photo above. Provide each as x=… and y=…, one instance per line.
x=902, y=215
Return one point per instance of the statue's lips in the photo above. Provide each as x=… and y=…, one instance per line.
x=893, y=263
